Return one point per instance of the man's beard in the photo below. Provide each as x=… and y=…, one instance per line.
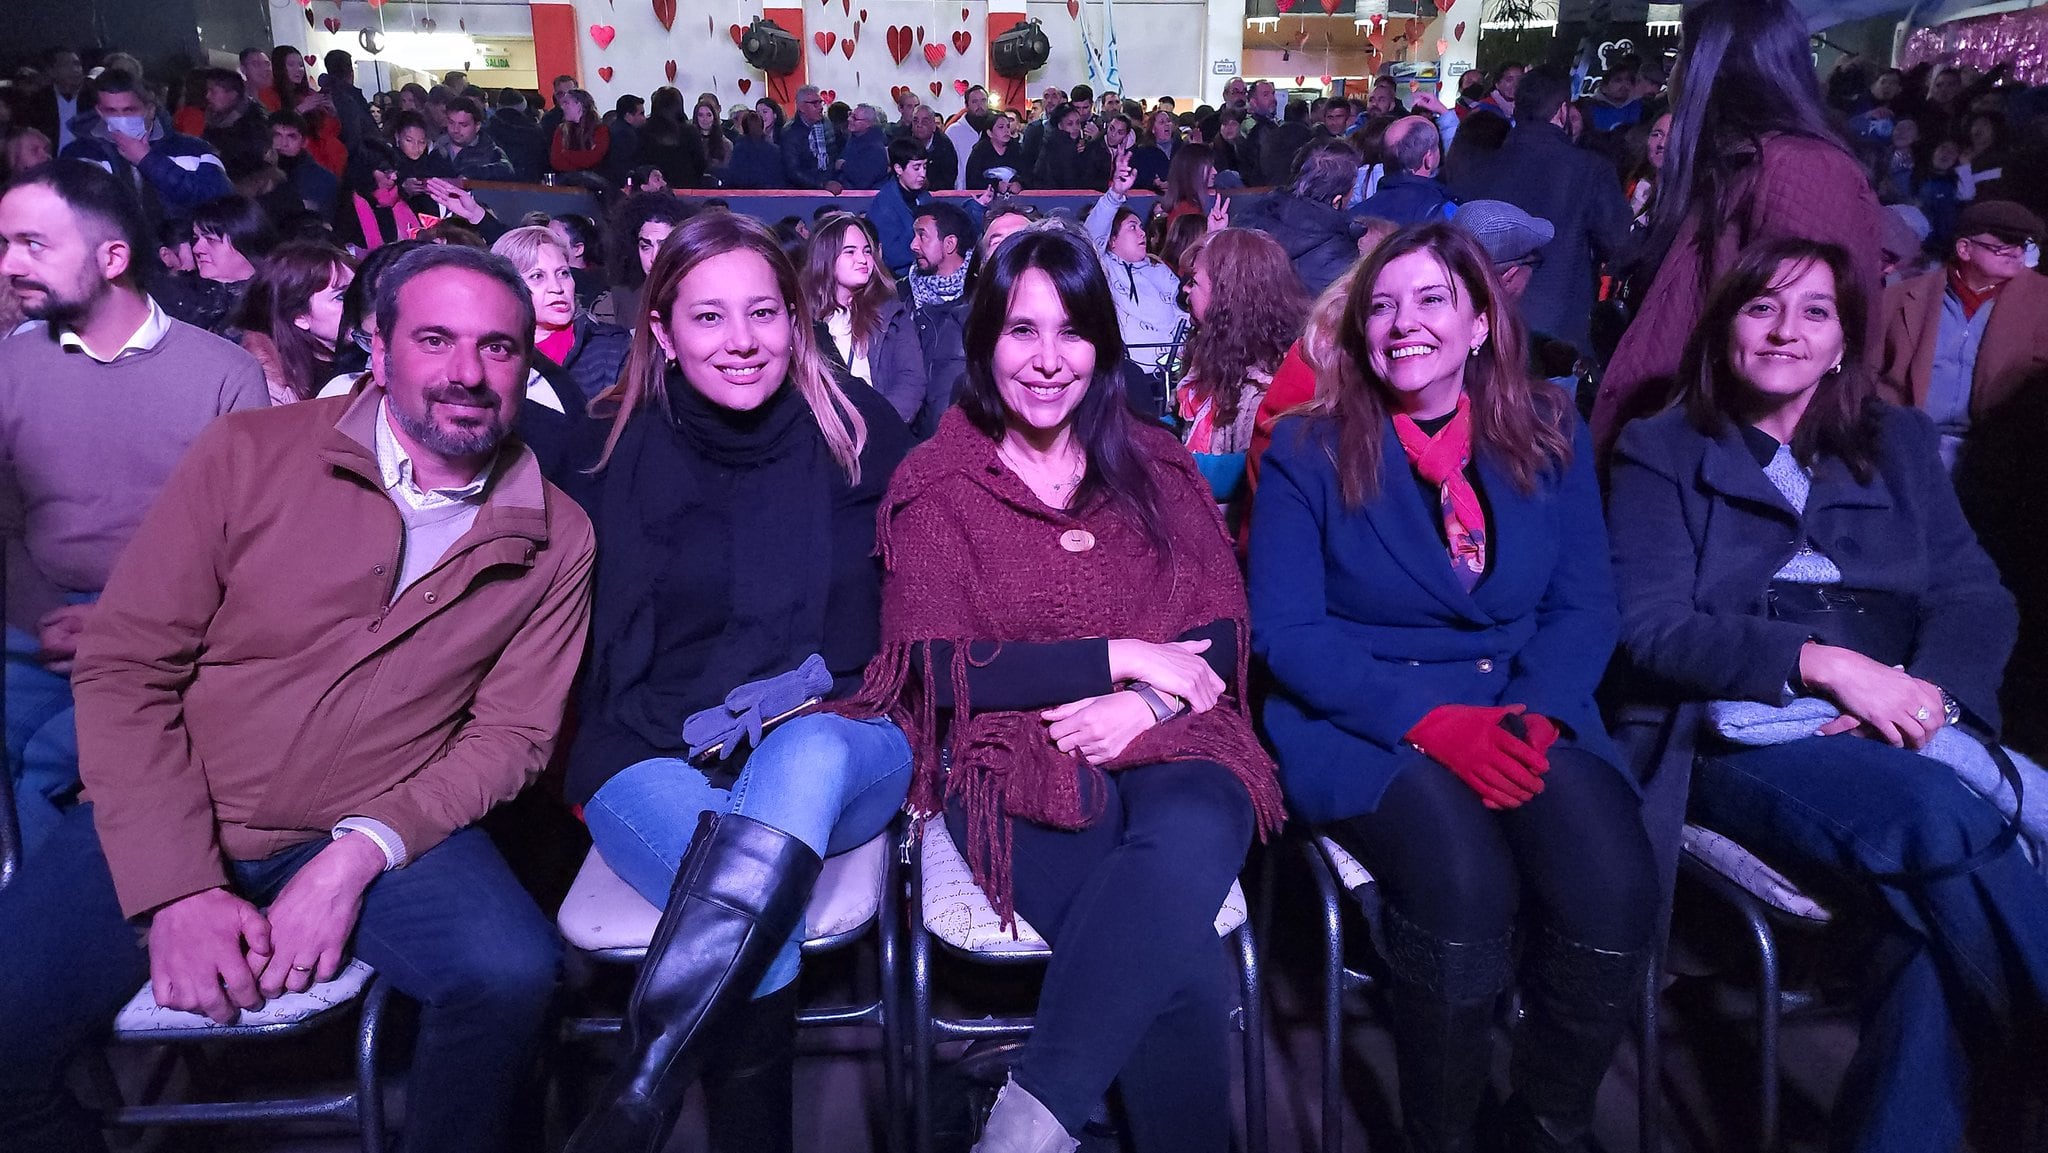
x=57, y=310
x=454, y=442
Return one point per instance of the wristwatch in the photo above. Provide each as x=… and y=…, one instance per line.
x=1155, y=700
x=1951, y=709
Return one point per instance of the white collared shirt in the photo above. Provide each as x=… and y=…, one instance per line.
x=394, y=465
x=154, y=328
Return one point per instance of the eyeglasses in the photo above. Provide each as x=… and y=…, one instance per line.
x=1993, y=248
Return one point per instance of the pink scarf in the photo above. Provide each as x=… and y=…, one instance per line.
x=1441, y=460
x=403, y=220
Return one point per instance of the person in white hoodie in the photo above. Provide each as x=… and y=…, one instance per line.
x=1147, y=292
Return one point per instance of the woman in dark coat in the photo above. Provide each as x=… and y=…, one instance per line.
x=1431, y=593
x=1067, y=160
x=1781, y=481
x=864, y=327
x=737, y=483
x=755, y=161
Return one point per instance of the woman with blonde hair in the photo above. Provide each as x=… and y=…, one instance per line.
x=735, y=488
x=581, y=352
x=1432, y=594
x=863, y=325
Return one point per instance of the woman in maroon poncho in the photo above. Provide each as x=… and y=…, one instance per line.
x=1060, y=591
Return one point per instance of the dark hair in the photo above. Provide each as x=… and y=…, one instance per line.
x=417, y=90
x=748, y=122
x=903, y=150
x=1103, y=420
x=427, y=258
x=1520, y=424
x=369, y=157
x=239, y=220
x=1329, y=169
x=628, y=104
x=1842, y=418
x=1079, y=93
x=1184, y=183
x=244, y=54
x=1748, y=72
x=226, y=78
x=1295, y=113
x=1479, y=137
x=510, y=98
x=282, y=290
x=1543, y=91
x=1060, y=113
x=584, y=231
x=337, y=60
x=288, y=119
x=357, y=304
x=949, y=220
x=101, y=201
x=405, y=120
x=634, y=211
x=173, y=232
x=114, y=82
x=582, y=132
x=466, y=105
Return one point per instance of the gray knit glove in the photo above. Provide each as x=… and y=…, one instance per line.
x=724, y=729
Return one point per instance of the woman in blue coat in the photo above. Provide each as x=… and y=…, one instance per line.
x=1431, y=590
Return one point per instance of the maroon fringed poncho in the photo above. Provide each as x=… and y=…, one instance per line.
x=972, y=555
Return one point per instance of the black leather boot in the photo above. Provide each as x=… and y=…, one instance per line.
x=739, y=893
x=1443, y=996
x=749, y=1091
x=1578, y=1002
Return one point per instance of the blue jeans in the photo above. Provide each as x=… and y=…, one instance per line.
x=830, y=782
x=1964, y=961
x=42, y=739
x=452, y=930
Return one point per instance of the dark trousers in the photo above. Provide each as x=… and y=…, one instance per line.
x=452, y=930
x=1964, y=965
x=1139, y=991
x=1459, y=870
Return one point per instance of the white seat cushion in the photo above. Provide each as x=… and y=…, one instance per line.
x=1350, y=874
x=143, y=1015
x=603, y=912
x=956, y=911
x=1743, y=867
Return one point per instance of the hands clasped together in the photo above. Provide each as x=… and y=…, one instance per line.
x=1501, y=752
x=217, y=954
x=1101, y=728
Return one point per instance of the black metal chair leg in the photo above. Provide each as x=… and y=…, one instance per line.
x=369, y=1091
x=1650, y=1063
x=1254, y=1040
x=1333, y=1000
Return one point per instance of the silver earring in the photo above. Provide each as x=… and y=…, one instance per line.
x=1476, y=348
x=1836, y=369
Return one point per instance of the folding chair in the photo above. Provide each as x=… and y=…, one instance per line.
x=948, y=907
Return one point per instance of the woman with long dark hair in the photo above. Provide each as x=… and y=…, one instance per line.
x=1432, y=593
x=640, y=224
x=291, y=316
x=1190, y=183
x=1104, y=789
x=375, y=212
x=863, y=324
x=1752, y=157
x=1158, y=144
x=1066, y=158
x=717, y=149
x=289, y=87
x=581, y=142
x=230, y=237
x=736, y=487
x=1753, y=525
x=997, y=152
x=752, y=160
x=669, y=141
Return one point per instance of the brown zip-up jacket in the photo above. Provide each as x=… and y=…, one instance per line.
x=248, y=681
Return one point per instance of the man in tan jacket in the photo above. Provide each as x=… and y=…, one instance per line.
x=343, y=634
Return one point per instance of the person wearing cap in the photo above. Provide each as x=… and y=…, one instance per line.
x=1518, y=244
x=1902, y=240
x=1965, y=339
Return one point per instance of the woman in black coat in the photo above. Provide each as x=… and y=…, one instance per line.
x=755, y=161
x=735, y=491
x=1067, y=160
x=1781, y=481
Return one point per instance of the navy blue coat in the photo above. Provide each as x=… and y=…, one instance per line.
x=1365, y=629
x=1406, y=198
x=864, y=160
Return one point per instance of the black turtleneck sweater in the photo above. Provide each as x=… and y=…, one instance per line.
x=730, y=546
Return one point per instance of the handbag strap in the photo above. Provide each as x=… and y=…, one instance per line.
x=1998, y=844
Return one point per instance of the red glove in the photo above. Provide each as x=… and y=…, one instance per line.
x=1539, y=731
x=1470, y=741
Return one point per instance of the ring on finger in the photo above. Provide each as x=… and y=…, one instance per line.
x=302, y=968
x=1922, y=714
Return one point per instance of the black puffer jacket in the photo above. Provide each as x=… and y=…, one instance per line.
x=1321, y=240
x=597, y=357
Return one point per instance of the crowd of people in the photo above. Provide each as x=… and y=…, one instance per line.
x=1490, y=487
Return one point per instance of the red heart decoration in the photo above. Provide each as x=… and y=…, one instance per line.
x=937, y=88
x=305, y=3
x=603, y=34
x=863, y=15
x=462, y=22
x=429, y=24
x=896, y=93
x=1458, y=33
x=1442, y=46
x=935, y=54
x=825, y=40
x=846, y=46
x=1285, y=6
x=376, y=3
x=605, y=74
x=669, y=67
x=846, y=6
x=828, y=95
x=901, y=42
x=311, y=20
x=665, y=11
x=736, y=32
x=1300, y=80
x=965, y=14
x=746, y=86
x=961, y=86
x=1330, y=7
x=920, y=34
x=332, y=24
x=1325, y=78
x=1073, y=9
x=1377, y=20
x=963, y=38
